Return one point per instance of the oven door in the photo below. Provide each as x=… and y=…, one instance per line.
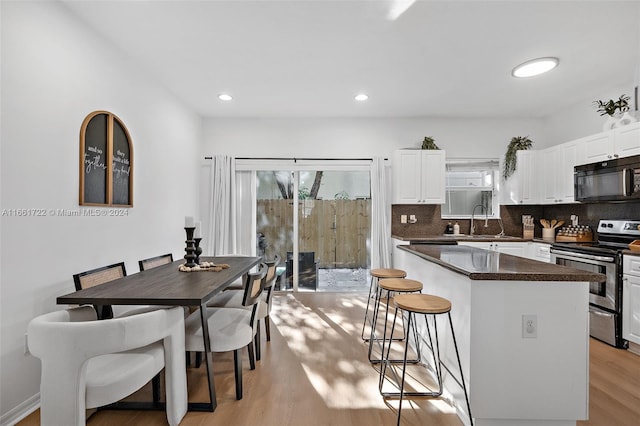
x=603, y=294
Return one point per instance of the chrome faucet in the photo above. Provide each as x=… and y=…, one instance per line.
x=501, y=234
x=472, y=228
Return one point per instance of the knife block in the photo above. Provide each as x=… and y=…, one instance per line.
x=527, y=232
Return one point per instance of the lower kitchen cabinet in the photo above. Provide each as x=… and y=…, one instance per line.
x=540, y=252
x=631, y=301
x=506, y=247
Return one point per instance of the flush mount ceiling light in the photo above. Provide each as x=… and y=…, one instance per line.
x=361, y=97
x=535, y=67
x=225, y=97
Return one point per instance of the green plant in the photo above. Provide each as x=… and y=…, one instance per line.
x=342, y=195
x=517, y=143
x=610, y=107
x=303, y=193
x=429, y=143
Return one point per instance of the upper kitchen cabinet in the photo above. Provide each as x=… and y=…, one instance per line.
x=556, y=166
x=418, y=176
x=627, y=140
x=621, y=142
x=521, y=186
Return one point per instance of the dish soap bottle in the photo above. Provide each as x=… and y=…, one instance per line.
x=456, y=229
x=449, y=229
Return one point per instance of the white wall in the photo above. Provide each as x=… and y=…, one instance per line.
x=55, y=71
x=363, y=138
x=582, y=119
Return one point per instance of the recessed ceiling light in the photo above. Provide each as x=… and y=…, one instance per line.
x=224, y=97
x=361, y=97
x=535, y=67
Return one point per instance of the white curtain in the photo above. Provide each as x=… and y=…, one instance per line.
x=222, y=207
x=380, y=216
x=229, y=210
x=246, y=212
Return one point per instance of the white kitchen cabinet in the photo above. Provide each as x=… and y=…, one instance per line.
x=621, y=142
x=627, y=140
x=556, y=165
x=539, y=251
x=486, y=245
x=515, y=249
x=418, y=176
x=548, y=164
x=521, y=186
x=631, y=300
x=506, y=247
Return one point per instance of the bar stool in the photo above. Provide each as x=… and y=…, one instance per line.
x=377, y=275
x=391, y=286
x=426, y=304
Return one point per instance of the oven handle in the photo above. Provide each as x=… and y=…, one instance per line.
x=602, y=314
x=581, y=256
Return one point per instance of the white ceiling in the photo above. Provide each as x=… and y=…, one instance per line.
x=309, y=58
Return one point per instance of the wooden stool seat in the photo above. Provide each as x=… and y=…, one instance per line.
x=422, y=303
x=388, y=273
x=400, y=284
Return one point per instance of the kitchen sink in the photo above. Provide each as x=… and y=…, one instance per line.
x=478, y=236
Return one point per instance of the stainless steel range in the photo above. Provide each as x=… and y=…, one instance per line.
x=603, y=256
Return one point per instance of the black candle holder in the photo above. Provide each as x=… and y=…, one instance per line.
x=190, y=248
x=198, y=249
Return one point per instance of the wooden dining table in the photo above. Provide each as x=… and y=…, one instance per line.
x=167, y=285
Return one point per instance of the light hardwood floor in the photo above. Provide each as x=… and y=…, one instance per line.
x=315, y=372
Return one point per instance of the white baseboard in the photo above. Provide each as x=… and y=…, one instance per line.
x=18, y=413
x=634, y=348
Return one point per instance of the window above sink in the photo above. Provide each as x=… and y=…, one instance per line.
x=471, y=184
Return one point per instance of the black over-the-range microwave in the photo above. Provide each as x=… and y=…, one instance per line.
x=610, y=180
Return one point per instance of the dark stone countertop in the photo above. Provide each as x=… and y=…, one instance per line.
x=480, y=264
x=451, y=238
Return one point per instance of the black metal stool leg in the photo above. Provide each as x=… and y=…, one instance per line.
x=464, y=387
x=438, y=363
x=366, y=312
x=391, y=338
x=404, y=365
x=383, y=368
x=428, y=306
x=374, y=322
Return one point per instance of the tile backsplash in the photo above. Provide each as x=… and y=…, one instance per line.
x=429, y=222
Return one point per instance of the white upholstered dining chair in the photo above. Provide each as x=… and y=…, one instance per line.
x=88, y=363
x=230, y=329
x=232, y=298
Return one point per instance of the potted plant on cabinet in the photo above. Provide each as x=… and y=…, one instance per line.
x=429, y=143
x=510, y=158
x=616, y=112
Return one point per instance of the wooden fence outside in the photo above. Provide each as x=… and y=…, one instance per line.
x=337, y=231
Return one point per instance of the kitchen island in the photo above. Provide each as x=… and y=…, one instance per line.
x=514, y=376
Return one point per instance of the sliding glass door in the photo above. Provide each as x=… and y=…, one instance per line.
x=319, y=221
